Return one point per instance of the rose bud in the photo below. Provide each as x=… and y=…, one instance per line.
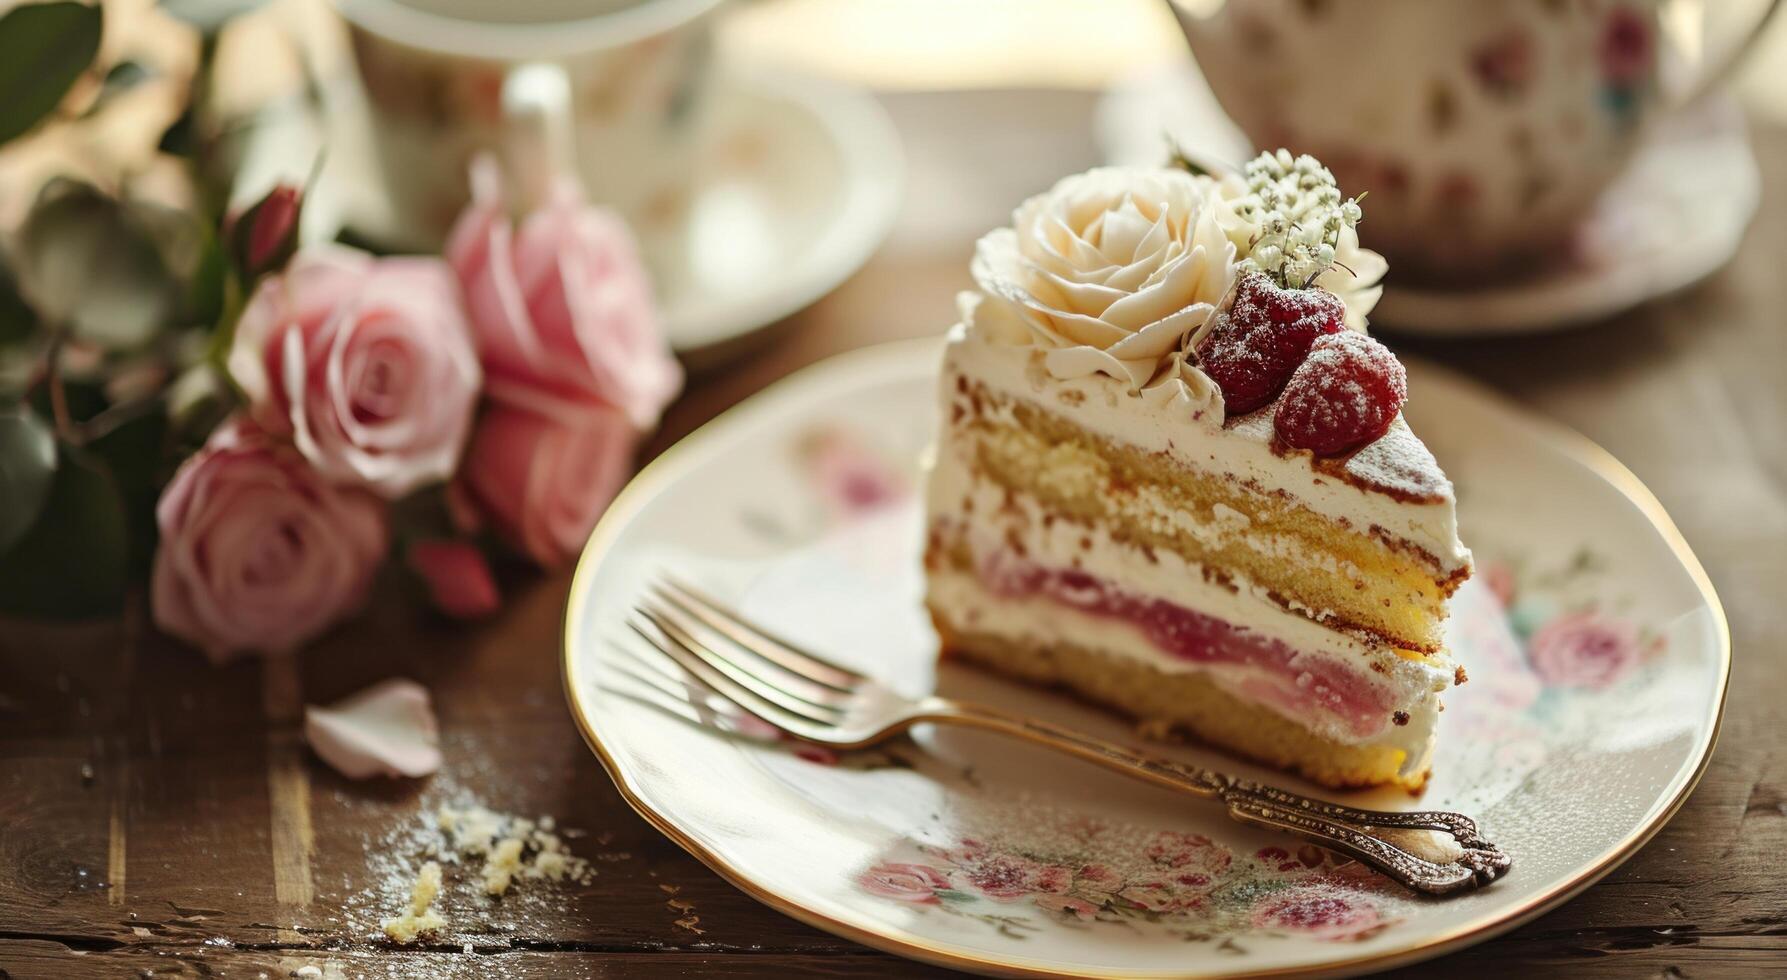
x=262, y=239
x=457, y=576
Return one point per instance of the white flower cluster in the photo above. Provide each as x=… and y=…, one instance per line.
x=1296, y=208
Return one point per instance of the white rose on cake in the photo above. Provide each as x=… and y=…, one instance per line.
x=1109, y=271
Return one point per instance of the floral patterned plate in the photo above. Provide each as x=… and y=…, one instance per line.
x=1596, y=649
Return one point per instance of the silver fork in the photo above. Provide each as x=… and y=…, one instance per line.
x=1430, y=851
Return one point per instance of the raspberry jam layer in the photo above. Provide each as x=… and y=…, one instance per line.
x=1274, y=673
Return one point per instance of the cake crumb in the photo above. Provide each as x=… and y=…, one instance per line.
x=471, y=862
x=501, y=865
x=1459, y=676
x=1155, y=729
x=551, y=865
x=420, y=918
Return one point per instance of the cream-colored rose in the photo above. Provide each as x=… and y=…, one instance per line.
x=1110, y=271
x=1356, y=277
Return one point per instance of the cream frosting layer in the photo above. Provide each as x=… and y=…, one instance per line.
x=994, y=523
x=960, y=598
x=989, y=516
x=1392, y=486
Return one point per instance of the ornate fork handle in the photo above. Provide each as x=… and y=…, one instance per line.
x=1435, y=852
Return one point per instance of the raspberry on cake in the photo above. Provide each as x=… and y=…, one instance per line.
x=1173, y=474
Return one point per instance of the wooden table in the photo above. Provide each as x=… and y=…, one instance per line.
x=159, y=817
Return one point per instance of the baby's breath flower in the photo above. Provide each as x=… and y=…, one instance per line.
x=1299, y=212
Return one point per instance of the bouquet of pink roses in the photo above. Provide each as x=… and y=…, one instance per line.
x=494, y=394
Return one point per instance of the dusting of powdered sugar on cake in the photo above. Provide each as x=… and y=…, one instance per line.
x=1397, y=464
x=1393, y=483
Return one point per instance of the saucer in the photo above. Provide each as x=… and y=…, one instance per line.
x=978, y=852
x=799, y=185
x=1676, y=216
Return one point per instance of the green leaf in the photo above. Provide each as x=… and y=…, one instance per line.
x=87, y=261
x=44, y=47
x=74, y=562
x=136, y=454
x=27, y=467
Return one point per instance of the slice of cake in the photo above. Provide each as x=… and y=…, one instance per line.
x=1173, y=476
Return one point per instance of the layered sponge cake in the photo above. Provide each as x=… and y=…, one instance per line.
x=1173, y=476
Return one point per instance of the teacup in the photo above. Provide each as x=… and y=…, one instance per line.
x=622, y=86
x=1484, y=130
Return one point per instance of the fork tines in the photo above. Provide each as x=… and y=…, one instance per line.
x=767, y=676
x=754, y=638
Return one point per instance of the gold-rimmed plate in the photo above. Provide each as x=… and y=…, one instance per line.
x=1597, y=654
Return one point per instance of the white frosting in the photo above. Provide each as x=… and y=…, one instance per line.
x=1181, y=417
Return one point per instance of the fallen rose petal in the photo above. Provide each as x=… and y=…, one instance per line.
x=458, y=578
x=387, y=729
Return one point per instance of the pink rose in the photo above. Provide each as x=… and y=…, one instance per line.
x=1067, y=905
x=1628, y=47
x=1277, y=858
x=1318, y=914
x=561, y=301
x=851, y=479
x=1009, y=877
x=913, y=883
x=458, y=578
x=1096, y=879
x=1161, y=895
x=1499, y=577
x=1505, y=64
x=542, y=470
x=257, y=552
x=1192, y=856
x=366, y=363
x=1583, y=649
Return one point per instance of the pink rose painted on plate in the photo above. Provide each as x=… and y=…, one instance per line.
x=1008, y=878
x=851, y=478
x=1628, y=47
x=1584, y=649
x=1068, y=906
x=1505, y=64
x=1189, y=853
x=1074, y=871
x=1319, y=914
x=913, y=883
x=1499, y=577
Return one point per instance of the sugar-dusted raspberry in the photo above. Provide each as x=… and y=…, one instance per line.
x=1344, y=395
x=1262, y=338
